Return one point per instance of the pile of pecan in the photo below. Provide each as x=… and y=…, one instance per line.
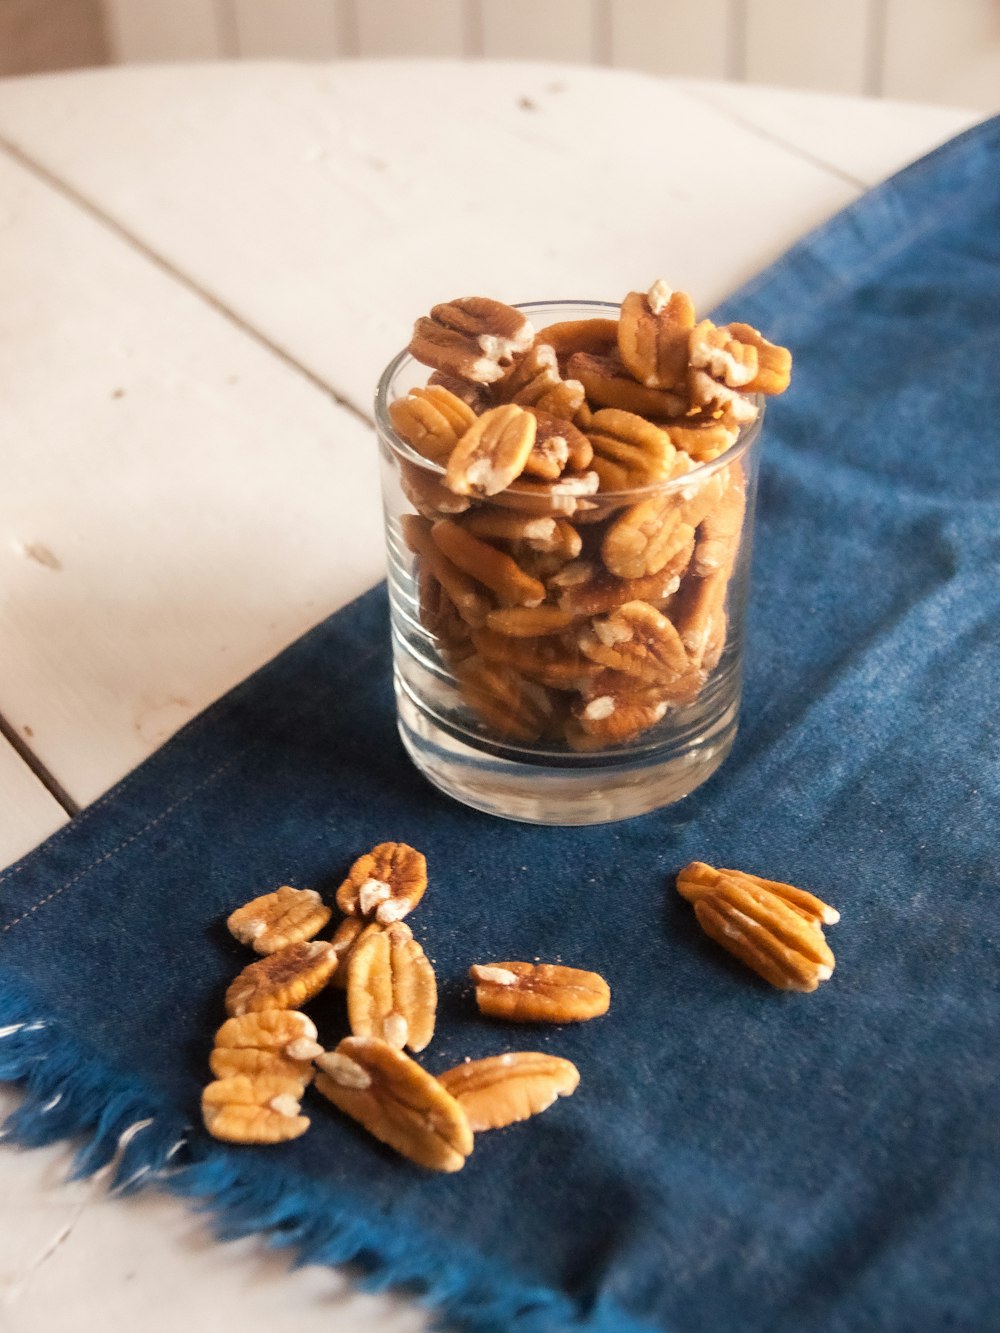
x=268, y=1052
x=575, y=595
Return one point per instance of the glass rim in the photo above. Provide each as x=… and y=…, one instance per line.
x=746, y=437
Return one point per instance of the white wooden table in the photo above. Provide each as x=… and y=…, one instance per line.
x=203, y=270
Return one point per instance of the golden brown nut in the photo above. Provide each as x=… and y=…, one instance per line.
x=473, y=338
x=427, y=492
x=534, y=381
x=385, y=884
x=699, y=614
x=504, y=699
x=721, y=355
x=504, y=1089
x=551, y=660
x=275, y=1041
x=275, y=920
x=719, y=532
x=539, y=992
x=564, y=497
x=653, y=335
x=638, y=641
x=391, y=989
x=522, y=622
x=476, y=396
x=465, y=594
x=702, y=435
x=440, y=618
x=597, y=336
x=486, y=564
x=607, y=383
x=348, y=935
x=629, y=451
x=283, y=980
x=647, y=536
x=774, y=928
x=507, y=525
x=774, y=363
x=431, y=420
x=263, y=1109
x=492, y=452
x=396, y=1101
x=597, y=591
x=712, y=396
x=557, y=434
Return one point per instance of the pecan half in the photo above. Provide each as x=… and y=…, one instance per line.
x=504, y=699
x=385, y=884
x=702, y=435
x=275, y=1041
x=492, y=452
x=476, y=396
x=261, y=1109
x=653, y=335
x=774, y=363
x=629, y=451
x=282, y=980
x=493, y=568
x=523, y=622
x=638, y=641
x=391, y=989
x=539, y=992
x=721, y=354
x=564, y=497
x=774, y=928
x=396, y=1101
x=504, y=1089
x=465, y=594
x=713, y=396
x=351, y=932
x=552, y=660
x=427, y=492
x=597, y=336
x=607, y=383
x=473, y=338
x=601, y=591
x=432, y=420
x=719, y=532
x=534, y=381
x=275, y=920
x=646, y=537
x=699, y=615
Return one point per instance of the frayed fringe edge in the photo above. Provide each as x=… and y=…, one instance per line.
x=132, y=1142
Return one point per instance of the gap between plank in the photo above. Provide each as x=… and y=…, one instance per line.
x=769, y=137
x=106, y=220
x=24, y=752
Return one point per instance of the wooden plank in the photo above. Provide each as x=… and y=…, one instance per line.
x=74, y=1255
x=27, y=812
x=539, y=30
x=389, y=200
x=311, y=29
x=865, y=140
x=152, y=30
x=402, y=28
x=808, y=44
x=178, y=504
x=943, y=53
x=673, y=36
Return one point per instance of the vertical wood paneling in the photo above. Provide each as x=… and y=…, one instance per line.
x=163, y=30
x=683, y=37
x=311, y=29
x=539, y=30
x=410, y=27
x=808, y=44
x=937, y=52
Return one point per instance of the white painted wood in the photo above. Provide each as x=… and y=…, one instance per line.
x=539, y=30
x=202, y=504
x=141, y=30
x=808, y=44
x=313, y=29
x=867, y=140
x=411, y=27
x=936, y=52
x=27, y=812
x=691, y=38
x=390, y=199
x=74, y=1258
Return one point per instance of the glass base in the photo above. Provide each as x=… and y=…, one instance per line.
x=571, y=792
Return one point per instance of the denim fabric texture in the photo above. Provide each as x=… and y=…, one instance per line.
x=735, y=1158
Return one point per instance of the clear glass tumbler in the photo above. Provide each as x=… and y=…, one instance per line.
x=564, y=654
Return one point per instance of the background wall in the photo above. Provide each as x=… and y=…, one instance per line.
x=945, y=51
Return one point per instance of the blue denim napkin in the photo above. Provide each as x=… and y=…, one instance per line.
x=735, y=1158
